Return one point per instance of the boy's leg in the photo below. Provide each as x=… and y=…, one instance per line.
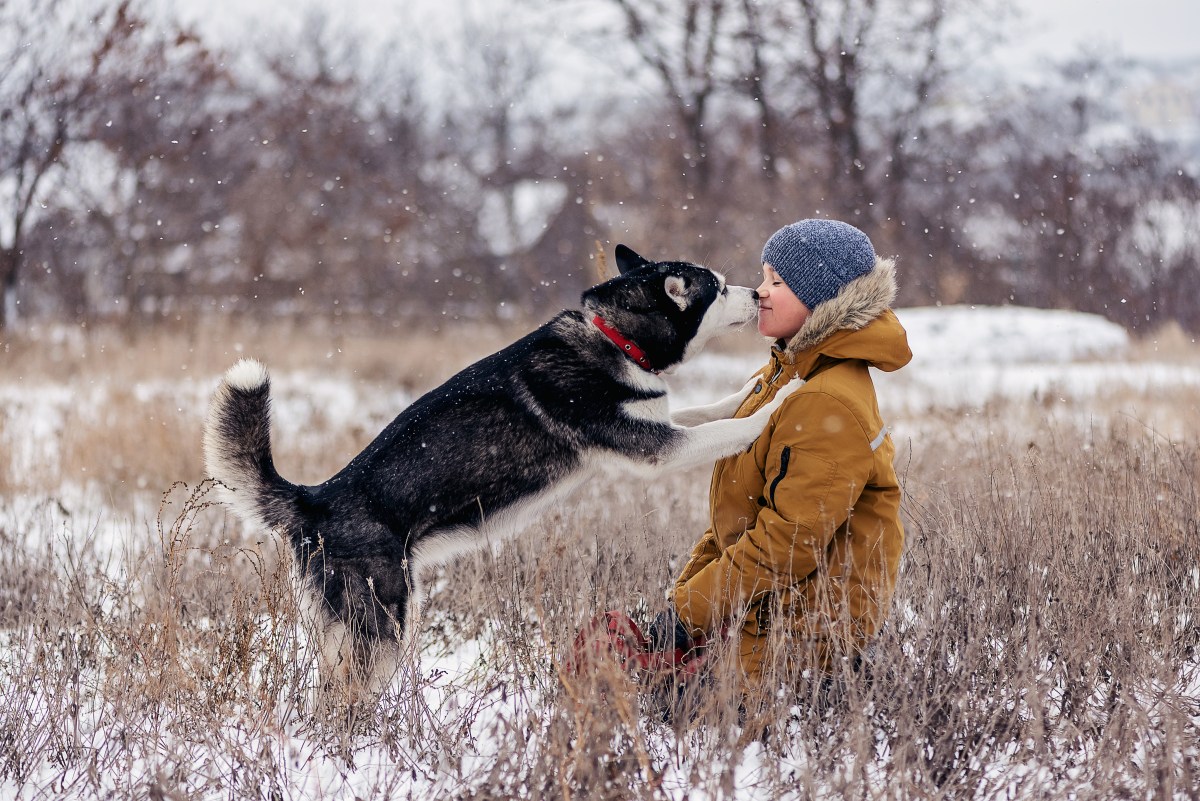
x=772, y=666
x=759, y=674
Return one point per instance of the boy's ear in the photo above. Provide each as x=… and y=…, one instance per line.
x=628, y=260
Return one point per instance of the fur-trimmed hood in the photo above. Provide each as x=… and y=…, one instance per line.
x=859, y=302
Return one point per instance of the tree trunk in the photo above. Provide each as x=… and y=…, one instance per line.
x=758, y=95
x=10, y=262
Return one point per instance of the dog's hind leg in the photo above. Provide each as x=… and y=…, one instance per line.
x=359, y=634
x=355, y=669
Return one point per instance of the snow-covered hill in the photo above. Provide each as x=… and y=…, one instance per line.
x=965, y=356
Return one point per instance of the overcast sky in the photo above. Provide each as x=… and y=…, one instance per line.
x=1048, y=28
x=1138, y=28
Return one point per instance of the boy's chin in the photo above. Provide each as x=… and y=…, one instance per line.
x=769, y=332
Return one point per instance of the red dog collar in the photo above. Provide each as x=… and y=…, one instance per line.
x=627, y=346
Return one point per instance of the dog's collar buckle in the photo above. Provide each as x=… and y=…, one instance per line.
x=627, y=346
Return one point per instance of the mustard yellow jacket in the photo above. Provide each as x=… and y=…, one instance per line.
x=806, y=523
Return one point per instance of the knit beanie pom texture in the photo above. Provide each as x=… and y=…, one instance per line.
x=816, y=258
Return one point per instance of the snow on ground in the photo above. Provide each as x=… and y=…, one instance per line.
x=964, y=357
x=962, y=335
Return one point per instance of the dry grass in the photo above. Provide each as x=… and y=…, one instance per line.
x=418, y=358
x=1043, y=641
x=1168, y=343
x=136, y=396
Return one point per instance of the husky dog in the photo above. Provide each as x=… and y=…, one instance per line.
x=485, y=453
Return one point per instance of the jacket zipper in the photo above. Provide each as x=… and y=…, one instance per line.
x=784, y=458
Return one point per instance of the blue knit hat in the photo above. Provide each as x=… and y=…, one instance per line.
x=816, y=258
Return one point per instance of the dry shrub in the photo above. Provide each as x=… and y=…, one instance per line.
x=6, y=480
x=202, y=347
x=112, y=670
x=1049, y=598
x=130, y=444
x=1043, y=640
x=1167, y=343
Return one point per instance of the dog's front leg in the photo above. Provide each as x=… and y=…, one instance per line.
x=718, y=410
x=707, y=442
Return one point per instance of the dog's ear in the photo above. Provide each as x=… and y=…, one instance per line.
x=677, y=288
x=628, y=260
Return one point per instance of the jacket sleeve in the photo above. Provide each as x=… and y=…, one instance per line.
x=705, y=551
x=808, y=492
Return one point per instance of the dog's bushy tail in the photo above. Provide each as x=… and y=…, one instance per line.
x=237, y=449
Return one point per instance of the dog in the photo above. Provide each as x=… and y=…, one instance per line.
x=484, y=454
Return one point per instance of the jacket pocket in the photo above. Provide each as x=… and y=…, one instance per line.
x=784, y=457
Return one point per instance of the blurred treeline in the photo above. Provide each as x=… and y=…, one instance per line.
x=146, y=171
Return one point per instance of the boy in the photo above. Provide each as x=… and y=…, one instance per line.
x=805, y=534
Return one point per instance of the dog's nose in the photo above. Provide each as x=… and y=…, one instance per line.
x=757, y=296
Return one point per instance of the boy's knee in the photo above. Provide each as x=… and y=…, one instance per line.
x=771, y=661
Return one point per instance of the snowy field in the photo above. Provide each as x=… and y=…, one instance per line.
x=965, y=357
x=977, y=374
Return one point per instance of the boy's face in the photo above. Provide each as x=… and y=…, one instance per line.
x=780, y=312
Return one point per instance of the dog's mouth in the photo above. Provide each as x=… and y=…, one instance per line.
x=749, y=318
x=741, y=314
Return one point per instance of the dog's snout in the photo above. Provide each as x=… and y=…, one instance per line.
x=738, y=305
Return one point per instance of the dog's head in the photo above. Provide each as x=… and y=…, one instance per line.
x=669, y=308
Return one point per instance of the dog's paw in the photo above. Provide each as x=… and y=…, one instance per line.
x=788, y=388
x=783, y=394
x=721, y=410
x=727, y=407
x=748, y=387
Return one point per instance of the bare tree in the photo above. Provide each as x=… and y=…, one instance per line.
x=684, y=43
x=138, y=174
x=1097, y=214
x=512, y=143
x=755, y=83
x=72, y=83
x=835, y=35
x=53, y=67
x=869, y=78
